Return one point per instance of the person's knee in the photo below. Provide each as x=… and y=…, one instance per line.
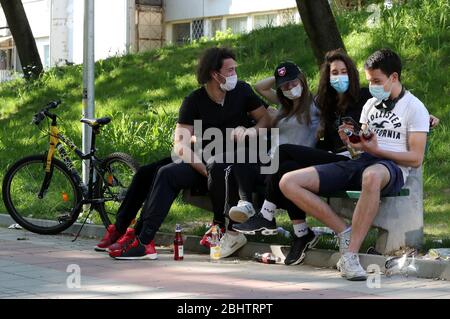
x=144, y=172
x=305, y=178
x=287, y=167
x=288, y=184
x=371, y=180
x=166, y=172
x=215, y=169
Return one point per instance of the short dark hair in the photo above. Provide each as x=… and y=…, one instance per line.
x=212, y=60
x=386, y=60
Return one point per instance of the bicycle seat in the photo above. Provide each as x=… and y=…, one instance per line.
x=96, y=122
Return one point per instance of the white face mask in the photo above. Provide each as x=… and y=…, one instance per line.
x=294, y=93
x=230, y=82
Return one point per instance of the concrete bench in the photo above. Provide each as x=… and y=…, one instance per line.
x=399, y=220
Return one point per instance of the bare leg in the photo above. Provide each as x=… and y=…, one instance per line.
x=300, y=187
x=374, y=178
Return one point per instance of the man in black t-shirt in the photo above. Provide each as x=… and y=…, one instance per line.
x=223, y=103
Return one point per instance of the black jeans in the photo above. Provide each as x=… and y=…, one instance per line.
x=293, y=157
x=169, y=181
x=137, y=192
x=248, y=177
x=222, y=191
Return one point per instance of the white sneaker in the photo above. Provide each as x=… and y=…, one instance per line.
x=350, y=267
x=242, y=212
x=230, y=243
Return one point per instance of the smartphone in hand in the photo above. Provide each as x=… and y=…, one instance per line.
x=350, y=121
x=367, y=134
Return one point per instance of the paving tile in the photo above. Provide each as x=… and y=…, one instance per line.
x=37, y=268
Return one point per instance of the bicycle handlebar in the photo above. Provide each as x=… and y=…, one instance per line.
x=39, y=116
x=53, y=104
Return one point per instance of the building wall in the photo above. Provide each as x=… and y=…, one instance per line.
x=38, y=15
x=192, y=9
x=112, y=20
x=186, y=20
x=57, y=26
x=61, y=32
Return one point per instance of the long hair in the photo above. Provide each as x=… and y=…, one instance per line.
x=301, y=108
x=327, y=99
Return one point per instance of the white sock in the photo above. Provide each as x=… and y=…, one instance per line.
x=349, y=228
x=300, y=230
x=268, y=210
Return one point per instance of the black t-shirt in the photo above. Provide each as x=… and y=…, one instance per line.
x=234, y=112
x=332, y=141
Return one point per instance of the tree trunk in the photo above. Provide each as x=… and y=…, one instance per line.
x=320, y=26
x=23, y=38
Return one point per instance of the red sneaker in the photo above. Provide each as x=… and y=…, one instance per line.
x=136, y=250
x=110, y=237
x=123, y=241
x=206, y=239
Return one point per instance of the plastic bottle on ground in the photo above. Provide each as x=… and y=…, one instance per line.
x=267, y=258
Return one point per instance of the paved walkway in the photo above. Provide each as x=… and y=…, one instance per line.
x=33, y=266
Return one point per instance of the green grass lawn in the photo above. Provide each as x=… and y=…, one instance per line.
x=142, y=92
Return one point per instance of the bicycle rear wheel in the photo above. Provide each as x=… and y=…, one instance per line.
x=118, y=171
x=51, y=213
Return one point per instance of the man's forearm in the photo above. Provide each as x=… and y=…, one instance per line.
x=410, y=158
x=264, y=122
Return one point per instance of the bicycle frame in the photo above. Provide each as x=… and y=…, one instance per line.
x=55, y=143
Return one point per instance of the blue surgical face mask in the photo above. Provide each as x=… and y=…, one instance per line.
x=339, y=82
x=379, y=93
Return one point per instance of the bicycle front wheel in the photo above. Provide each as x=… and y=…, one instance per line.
x=43, y=210
x=118, y=170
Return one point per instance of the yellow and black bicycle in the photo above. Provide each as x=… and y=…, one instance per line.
x=45, y=195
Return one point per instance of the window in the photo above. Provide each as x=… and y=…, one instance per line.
x=216, y=25
x=237, y=25
x=264, y=20
x=197, y=29
x=181, y=33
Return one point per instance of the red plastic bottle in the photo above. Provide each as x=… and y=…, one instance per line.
x=178, y=252
x=267, y=258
